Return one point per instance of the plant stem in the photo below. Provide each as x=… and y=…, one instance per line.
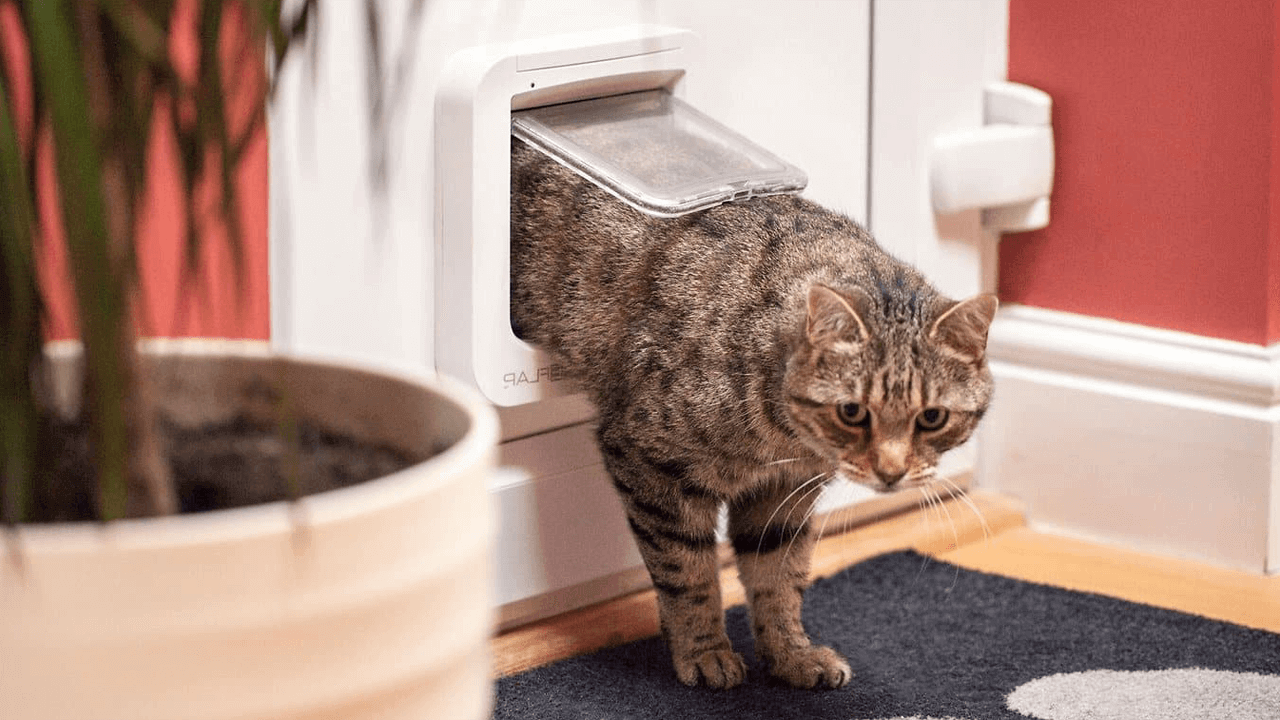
x=148, y=481
x=20, y=312
x=97, y=225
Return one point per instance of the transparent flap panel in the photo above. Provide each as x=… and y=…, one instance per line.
x=656, y=152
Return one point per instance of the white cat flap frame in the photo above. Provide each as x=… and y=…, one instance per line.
x=479, y=88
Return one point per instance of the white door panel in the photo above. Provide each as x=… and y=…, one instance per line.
x=794, y=75
x=791, y=75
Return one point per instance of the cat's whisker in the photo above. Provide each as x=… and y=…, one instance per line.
x=803, y=499
x=825, y=519
x=955, y=535
x=839, y=502
x=934, y=512
x=819, y=488
x=935, y=506
x=780, y=462
x=801, y=486
x=925, y=474
x=813, y=507
x=846, y=491
x=964, y=497
x=920, y=505
x=927, y=507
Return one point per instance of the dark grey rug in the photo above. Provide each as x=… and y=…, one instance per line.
x=930, y=640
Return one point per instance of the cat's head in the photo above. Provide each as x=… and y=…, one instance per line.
x=883, y=389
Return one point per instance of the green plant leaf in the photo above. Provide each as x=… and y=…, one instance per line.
x=148, y=38
x=100, y=290
x=20, y=321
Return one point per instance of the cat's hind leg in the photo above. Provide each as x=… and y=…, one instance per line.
x=773, y=542
x=676, y=537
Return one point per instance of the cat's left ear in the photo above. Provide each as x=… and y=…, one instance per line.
x=962, y=329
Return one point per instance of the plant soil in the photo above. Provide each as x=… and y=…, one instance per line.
x=222, y=466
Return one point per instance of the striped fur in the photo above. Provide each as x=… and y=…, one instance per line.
x=740, y=356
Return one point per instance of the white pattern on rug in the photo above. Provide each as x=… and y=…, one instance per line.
x=1188, y=694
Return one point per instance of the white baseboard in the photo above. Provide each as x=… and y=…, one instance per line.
x=563, y=540
x=1157, y=440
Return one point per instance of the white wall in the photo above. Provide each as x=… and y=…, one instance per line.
x=349, y=282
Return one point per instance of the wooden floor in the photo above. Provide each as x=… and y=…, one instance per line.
x=990, y=535
x=1238, y=597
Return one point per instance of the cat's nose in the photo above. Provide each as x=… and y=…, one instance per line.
x=890, y=479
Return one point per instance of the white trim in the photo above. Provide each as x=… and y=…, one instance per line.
x=1155, y=439
x=1138, y=355
x=537, y=582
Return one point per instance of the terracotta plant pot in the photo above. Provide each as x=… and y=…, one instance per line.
x=367, y=601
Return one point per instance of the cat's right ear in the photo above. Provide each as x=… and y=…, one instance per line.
x=834, y=316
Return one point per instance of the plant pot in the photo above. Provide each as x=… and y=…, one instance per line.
x=367, y=601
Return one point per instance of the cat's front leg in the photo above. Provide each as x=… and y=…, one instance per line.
x=773, y=543
x=676, y=537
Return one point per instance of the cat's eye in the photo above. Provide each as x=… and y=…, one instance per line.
x=852, y=414
x=931, y=418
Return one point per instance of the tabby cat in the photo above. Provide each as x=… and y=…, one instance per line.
x=741, y=356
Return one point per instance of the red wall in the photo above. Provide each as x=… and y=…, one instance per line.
x=1165, y=116
x=214, y=305
x=1166, y=190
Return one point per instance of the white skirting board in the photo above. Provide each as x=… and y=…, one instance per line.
x=1157, y=440
x=563, y=540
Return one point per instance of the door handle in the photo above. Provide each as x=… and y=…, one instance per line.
x=1004, y=167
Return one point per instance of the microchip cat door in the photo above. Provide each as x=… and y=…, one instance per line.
x=655, y=152
x=592, y=93
x=479, y=89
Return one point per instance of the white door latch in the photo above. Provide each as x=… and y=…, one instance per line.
x=1005, y=167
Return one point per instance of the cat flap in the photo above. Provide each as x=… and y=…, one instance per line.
x=656, y=152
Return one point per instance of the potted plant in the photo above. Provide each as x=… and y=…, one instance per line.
x=204, y=529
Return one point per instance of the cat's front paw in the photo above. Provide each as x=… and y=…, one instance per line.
x=810, y=667
x=718, y=668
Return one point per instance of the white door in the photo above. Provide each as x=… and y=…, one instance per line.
x=852, y=91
